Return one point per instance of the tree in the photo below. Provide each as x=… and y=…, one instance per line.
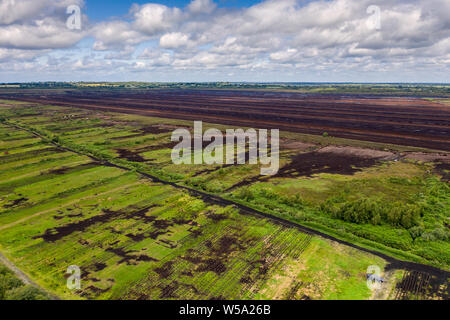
x=2, y=293
x=416, y=232
x=9, y=282
x=4, y=270
x=26, y=293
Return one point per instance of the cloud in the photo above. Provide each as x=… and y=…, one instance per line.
x=174, y=40
x=154, y=58
x=43, y=34
x=17, y=55
x=271, y=36
x=284, y=56
x=22, y=11
x=202, y=6
x=115, y=35
x=37, y=24
x=14, y=11
x=154, y=18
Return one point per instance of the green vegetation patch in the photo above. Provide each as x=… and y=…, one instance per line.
x=12, y=288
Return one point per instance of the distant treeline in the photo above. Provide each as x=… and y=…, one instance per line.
x=409, y=89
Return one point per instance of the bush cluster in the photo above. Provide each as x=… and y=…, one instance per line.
x=11, y=288
x=363, y=211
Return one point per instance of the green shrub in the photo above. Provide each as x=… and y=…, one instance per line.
x=189, y=207
x=9, y=282
x=364, y=211
x=245, y=194
x=416, y=232
x=12, y=288
x=4, y=270
x=26, y=293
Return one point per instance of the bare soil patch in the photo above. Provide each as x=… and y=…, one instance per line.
x=427, y=157
x=358, y=152
x=15, y=203
x=130, y=155
x=296, y=145
x=129, y=257
x=443, y=169
x=336, y=161
x=422, y=286
x=405, y=121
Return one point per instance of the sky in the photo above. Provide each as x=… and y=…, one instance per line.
x=97, y=10
x=225, y=40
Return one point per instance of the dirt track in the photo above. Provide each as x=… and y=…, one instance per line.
x=405, y=121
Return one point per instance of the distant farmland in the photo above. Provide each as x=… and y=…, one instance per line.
x=398, y=120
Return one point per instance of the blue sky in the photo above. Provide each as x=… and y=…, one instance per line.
x=104, y=9
x=226, y=40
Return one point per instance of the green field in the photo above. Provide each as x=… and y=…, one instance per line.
x=91, y=205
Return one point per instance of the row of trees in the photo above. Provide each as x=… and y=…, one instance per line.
x=12, y=288
x=363, y=211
